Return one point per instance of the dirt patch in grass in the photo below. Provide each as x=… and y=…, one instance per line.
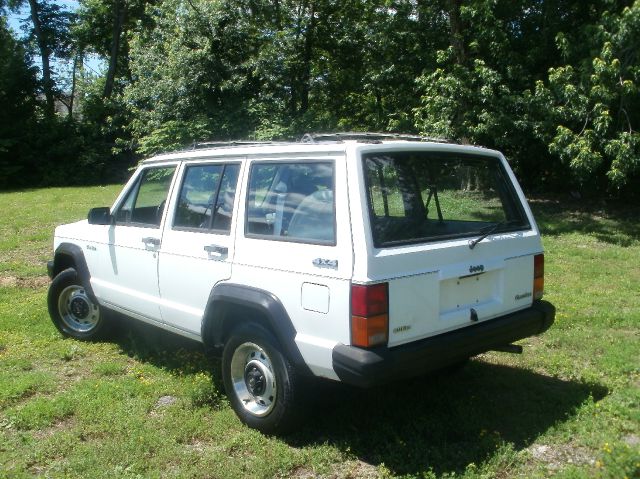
x=559, y=455
x=32, y=282
x=64, y=424
x=346, y=470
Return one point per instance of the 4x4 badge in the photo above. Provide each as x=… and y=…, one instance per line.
x=476, y=269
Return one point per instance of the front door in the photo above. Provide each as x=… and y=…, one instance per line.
x=128, y=275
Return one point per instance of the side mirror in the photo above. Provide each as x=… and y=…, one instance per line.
x=100, y=216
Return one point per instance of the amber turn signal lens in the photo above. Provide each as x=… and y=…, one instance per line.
x=371, y=331
x=538, y=276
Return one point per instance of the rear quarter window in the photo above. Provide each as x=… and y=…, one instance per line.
x=292, y=202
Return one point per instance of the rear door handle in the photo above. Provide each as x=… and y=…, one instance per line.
x=152, y=241
x=214, y=248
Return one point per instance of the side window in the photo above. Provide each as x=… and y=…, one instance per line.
x=206, y=197
x=144, y=204
x=292, y=202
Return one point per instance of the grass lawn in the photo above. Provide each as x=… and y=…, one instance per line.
x=144, y=405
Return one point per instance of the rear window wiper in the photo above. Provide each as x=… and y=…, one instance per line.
x=487, y=230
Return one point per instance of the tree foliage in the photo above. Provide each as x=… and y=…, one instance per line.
x=552, y=83
x=596, y=107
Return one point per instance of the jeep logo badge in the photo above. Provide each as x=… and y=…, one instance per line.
x=476, y=269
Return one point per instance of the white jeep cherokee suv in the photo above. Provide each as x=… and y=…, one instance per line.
x=354, y=258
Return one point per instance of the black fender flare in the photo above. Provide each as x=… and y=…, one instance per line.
x=69, y=255
x=216, y=323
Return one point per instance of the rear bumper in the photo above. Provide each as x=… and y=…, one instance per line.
x=369, y=367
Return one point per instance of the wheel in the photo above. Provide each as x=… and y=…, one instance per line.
x=261, y=383
x=72, y=310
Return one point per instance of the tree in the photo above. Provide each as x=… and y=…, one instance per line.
x=103, y=28
x=596, y=103
x=18, y=112
x=489, y=84
x=49, y=33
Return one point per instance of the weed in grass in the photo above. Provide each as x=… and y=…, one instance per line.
x=15, y=387
x=40, y=412
x=204, y=392
x=72, y=351
x=109, y=368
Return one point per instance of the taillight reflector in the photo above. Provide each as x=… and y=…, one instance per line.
x=538, y=276
x=369, y=315
x=369, y=300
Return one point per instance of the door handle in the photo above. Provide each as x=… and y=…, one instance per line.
x=152, y=241
x=214, y=248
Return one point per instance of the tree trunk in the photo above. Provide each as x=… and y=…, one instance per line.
x=77, y=59
x=119, y=15
x=44, y=54
x=456, y=28
x=278, y=15
x=308, y=51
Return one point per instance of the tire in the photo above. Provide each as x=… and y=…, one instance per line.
x=261, y=383
x=71, y=309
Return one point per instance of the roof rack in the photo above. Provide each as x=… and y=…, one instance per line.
x=371, y=137
x=218, y=144
x=337, y=137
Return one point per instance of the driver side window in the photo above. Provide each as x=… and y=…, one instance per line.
x=144, y=204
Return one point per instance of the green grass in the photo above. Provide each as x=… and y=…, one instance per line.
x=28, y=218
x=145, y=405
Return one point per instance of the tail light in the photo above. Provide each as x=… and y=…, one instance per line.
x=369, y=315
x=538, y=276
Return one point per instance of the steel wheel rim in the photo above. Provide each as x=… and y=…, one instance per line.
x=253, y=378
x=77, y=311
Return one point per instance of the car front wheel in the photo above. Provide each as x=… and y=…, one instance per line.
x=71, y=309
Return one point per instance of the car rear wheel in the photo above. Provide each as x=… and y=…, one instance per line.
x=261, y=383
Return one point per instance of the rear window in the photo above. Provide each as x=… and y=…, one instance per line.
x=423, y=196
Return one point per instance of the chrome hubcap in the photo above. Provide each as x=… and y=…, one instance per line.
x=77, y=311
x=254, y=381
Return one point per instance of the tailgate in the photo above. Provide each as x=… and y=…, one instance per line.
x=457, y=295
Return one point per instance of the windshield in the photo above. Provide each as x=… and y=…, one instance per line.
x=424, y=196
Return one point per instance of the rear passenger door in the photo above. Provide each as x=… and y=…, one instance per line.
x=197, y=247
x=297, y=246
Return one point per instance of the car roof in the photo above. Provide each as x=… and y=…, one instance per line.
x=284, y=150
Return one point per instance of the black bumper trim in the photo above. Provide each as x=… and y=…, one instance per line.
x=370, y=367
x=50, y=269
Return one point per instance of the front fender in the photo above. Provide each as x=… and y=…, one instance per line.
x=69, y=255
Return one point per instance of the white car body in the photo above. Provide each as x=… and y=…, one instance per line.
x=165, y=275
